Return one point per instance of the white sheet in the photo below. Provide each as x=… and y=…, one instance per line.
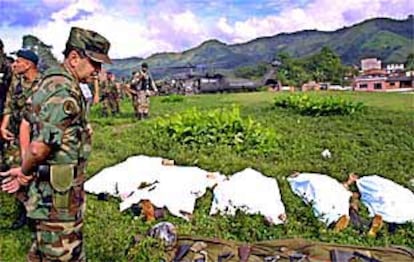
x=250, y=192
x=173, y=187
x=328, y=197
x=393, y=202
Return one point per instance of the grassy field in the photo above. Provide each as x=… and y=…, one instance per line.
x=377, y=141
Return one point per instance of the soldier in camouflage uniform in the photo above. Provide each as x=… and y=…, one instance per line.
x=6, y=202
x=109, y=95
x=23, y=86
x=142, y=87
x=5, y=81
x=54, y=166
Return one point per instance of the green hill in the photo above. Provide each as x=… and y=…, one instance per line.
x=388, y=39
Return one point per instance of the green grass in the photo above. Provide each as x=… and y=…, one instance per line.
x=378, y=141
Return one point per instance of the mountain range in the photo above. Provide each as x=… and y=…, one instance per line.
x=388, y=39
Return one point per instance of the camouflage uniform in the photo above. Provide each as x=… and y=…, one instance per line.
x=19, y=91
x=110, y=97
x=5, y=81
x=17, y=95
x=142, y=84
x=56, y=198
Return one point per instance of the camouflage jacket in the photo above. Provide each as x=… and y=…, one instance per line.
x=17, y=95
x=58, y=117
x=143, y=82
x=5, y=79
x=108, y=86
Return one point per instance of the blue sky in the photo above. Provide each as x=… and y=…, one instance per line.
x=144, y=27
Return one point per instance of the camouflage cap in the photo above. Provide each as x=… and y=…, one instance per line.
x=96, y=46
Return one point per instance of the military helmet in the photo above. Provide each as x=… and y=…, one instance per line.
x=144, y=65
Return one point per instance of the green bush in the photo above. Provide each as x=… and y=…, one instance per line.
x=319, y=105
x=199, y=129
x=172, y=99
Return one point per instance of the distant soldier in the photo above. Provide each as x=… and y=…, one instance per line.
x=54, y=166
x=142, y=87
x=118, y=95
x=122, y=87
x=109, y=95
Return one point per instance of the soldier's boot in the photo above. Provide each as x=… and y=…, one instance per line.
x=145, y=115
x=140, y=116
x=342, y=223
x=21, y=219
x=376, y=225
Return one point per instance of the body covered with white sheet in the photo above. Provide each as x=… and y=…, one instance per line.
x=393, y=202
x=328, y=197
x=251, y=192
x=146, y=178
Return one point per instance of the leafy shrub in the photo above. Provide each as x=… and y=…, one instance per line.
x=172, y=99
x=319, y=105
x=225, y=127
x=147, y=249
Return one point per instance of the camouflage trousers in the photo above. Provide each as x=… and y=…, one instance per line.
x=57, y=241
x=141, y=103
x=110, y=102
x=10, y=157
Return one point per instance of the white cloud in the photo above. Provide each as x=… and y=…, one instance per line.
x=138, y=30
x=185, y=22
x=318, y=14
x=223, y=26
x=71, y=10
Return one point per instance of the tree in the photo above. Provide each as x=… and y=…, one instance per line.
x=291, y=71
x=325, y=66
x=252, y=72
x=409, y=63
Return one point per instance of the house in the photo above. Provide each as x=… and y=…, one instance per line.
x=401, y=81
x=311, y=86
x=371, y=80
x=394, y=68
x=370, y=63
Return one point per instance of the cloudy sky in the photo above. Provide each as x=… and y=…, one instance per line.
x=144, y=27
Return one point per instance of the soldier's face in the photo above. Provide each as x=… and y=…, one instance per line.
x=84, y=67
x=13, y=67
x=21, y=65
x=88, y=68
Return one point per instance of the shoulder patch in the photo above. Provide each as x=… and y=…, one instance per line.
x=70, y=106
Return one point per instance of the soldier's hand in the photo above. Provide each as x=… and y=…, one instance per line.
x=6, y=134
x=17, y=174
x=95, y=99
x=10, y=185
x=89, y=129
x=24, y=180
x=13, y=172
